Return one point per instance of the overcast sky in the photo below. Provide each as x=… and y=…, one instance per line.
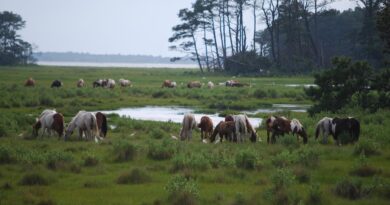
x=103, y=26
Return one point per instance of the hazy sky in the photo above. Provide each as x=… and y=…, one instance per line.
x=103, y=26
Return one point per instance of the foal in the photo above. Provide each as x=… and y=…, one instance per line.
x=227, y=129
x=206, y=127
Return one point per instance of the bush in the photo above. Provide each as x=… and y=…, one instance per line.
x=57, y=160
x=33, y=179
x=194, y=161
x=158, y=133
x=136, y=176
x=301, y=174
x=124, y=151
x=6, y=155
x=282, y=178
x=351, y=189
x=161, y=151
x=308, y=157
x=91, y=161
x=246, y=159
x=283, y=159
x=367, y=147
x=315, y=194
x=182, y=190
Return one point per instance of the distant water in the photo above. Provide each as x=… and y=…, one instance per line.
x=117, y=65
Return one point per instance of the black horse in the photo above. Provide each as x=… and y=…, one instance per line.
x=350, y=125
x=56, y=84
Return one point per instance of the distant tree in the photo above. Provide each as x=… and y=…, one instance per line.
x=383, y=24
x=13, y=50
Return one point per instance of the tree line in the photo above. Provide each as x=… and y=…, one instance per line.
x=300, y=36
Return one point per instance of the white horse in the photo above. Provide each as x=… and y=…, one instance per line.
x=110, y=83
x=324, y=128
x=86, y=123
x=189, y=123
x=80, y=83
x=243, y=128
x=124, y=83
x=210, y=85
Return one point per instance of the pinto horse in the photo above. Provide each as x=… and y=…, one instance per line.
x=86, y=123
x=189, y=123
x=206, y=127
x=168, y=84
x=30, y=82
x=350, y=125
x=282, y=125
x=268, y=124
x=48, y=121
x=225, y=129
x=101, y=121
x=80, y=83
x=194, y=84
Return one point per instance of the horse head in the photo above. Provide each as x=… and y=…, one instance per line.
x=37, y=125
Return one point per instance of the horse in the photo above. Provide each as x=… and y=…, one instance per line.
x=282, y=125
x=86, y=123
x=49, y=120
x=189, y=123
x=225, y=129
x=109, y=83
x=194, y=84
x=97, y=83
x=350, y=124
x=30, y=82
x=210, y=85
x=80, y=83
x=206, y=127
x=124, y=83
x=268, y=124
x=101, y=123
x=242, y=127
x=168, y=84
x=56, y=84
x=324, y=127
x=235, y=83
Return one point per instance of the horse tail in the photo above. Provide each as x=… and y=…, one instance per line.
x=104, y=125
x=318, y=130
x=216, y=130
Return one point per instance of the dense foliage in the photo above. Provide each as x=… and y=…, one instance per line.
x=13, y=50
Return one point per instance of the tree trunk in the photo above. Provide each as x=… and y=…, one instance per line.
x=197, y=53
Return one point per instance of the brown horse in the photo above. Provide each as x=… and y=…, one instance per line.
x=282, y=125
x=225, y=129
x=168, y=84
x=206, y=127
x=30, y=82
x=101, y=120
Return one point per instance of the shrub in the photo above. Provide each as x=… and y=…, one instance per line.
x=33, y=179
x=301, y=174
x=58, y=159
x=282, y=178
x=289, y=141
x=124, y=151
x=6, y=155
x=91, y=161
x=283, y=159
x=182, y=190
x=136, y=176
x=351, y=189
x=367, y=147
x=362, y=168
x=158, y=133
x=161, y=151
x=315, y=194
x=307, y=156
x=194, y=161
x=246, y=159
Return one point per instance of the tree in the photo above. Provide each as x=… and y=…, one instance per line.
x=13, y=50
x=383, y=24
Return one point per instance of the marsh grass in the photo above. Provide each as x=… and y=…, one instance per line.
x=135, y=176
x=34, y=179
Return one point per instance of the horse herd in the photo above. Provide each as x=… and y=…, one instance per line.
x=110, y=83
x=236, y=128
x=105, y=83
x=90, y=125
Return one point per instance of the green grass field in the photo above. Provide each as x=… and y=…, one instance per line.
x=139, y=163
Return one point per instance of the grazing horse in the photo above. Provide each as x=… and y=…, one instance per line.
x=350, y=124
x=235, y=83
x=210, y=85
x=206, y=127
x=97, y=83
x=56, y=84
x=268, y=124
x=124, y=83
x=282, y=125
x=242, y=127
x=168, y=84
x=101, y=123
x=80, y=83
x=194, y=84
x=86, y=123
x=227, y=129
x=324, y=127
x=49, y=120
x=30, y=82
x=189, y=123
x=109, y=83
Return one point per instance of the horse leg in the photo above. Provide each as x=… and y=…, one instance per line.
x=80, y=133
x=268, y=136
x=273, y=139
x=201, y=135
